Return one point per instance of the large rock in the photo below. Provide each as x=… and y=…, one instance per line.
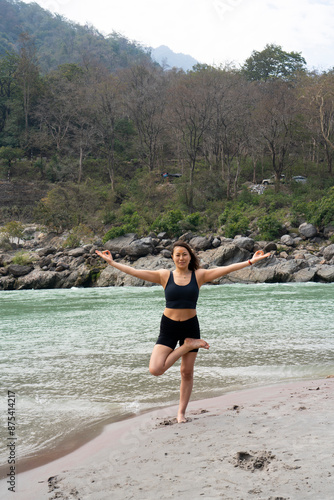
x=43, y=252
x=244, y=242
x=307, y=230
x=116, y=245
x=17, y=270
x=229, y=254
x=5, y=259
x=77, y=252
x=287, y=240
x=138, y=248
x=328, y=253
x=326, y=273
x=200, y=243
x=37, y=279
x=304, y=275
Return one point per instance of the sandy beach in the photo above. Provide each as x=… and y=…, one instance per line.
x=262, y=443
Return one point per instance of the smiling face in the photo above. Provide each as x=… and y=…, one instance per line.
x=181, y=258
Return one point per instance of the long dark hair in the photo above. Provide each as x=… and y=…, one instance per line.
x=194, y=260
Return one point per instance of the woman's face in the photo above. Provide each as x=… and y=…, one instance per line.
x=181, y=257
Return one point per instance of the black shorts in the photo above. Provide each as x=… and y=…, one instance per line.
x=172, y=332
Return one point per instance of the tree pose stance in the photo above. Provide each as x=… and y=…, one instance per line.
x=179, y=321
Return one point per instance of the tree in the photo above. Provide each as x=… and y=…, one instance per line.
x=191, y=110
x=10, y=154
x=275, y=116
x=272, y=63
x=146, y=100
x=27, y=75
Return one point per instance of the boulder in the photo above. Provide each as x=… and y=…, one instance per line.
x=216, y=242
x=328, y=252
x=7, y=283
x=270, y=247
x=43, y=252
x=37, y=279
x=329, y=230
x=288, y=240
x=77, y=252
x=17, y=270
x=117, y=244
x=304, y=275
x=244, y=242
x=138, y=248
x=307, y=230
x=200, y=243
x=326, y=273
x=5, y=259
x=229, y=254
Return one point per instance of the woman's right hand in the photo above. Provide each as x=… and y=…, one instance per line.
x=106, y=255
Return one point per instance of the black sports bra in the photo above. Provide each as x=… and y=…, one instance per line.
x=181, y=297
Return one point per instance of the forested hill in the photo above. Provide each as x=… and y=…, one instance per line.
x=60, y=41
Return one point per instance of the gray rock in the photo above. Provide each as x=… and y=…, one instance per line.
x=328, y=252
x=304, y=275
x=138, y=248
x=244, y=242
x=37, y=279
x=229, y=254
x=270, y=247
x=216, y=242
x=166, y=253
x=200, y=243
x=326, y=273
x=43, y=252
x=329, y=231
x=117, y=244
x=77, y=252
x=5, y=259
x=16, y=270
x=7, y=283
x=307, y=230
x=288, y=240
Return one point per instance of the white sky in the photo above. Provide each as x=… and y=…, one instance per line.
x=213, y=31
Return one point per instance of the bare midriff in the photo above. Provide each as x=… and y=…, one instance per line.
x=179, y=314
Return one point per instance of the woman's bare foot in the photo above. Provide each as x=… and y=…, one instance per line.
x=196, y=343
x=182, y=419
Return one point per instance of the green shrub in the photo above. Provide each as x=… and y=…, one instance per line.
x=22, y=258
x=322, y=211
x=169, y=223
x=237, y=225
x=270, y=227
x=78, y=234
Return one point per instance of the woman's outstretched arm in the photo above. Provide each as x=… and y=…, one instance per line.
x=206, y=275
x=159, y=277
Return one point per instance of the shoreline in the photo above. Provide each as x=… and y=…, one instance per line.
x=141, y=446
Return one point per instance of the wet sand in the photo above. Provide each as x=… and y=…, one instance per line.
x=265, y=443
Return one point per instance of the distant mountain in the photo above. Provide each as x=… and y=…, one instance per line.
x=166, y=57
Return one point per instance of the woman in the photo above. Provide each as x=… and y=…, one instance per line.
x=179, y=322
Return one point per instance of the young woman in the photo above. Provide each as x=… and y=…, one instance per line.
x=179, y=322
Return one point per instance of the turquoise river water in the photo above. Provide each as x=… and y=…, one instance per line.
x=78, y=358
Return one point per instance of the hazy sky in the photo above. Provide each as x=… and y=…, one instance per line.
x=213, y=31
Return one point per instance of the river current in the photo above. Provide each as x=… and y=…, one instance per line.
x=78, y=358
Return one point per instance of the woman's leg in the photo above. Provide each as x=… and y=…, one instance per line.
x=163, y=357
x=187, y=378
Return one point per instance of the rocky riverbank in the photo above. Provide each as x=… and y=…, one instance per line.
x=44, y=263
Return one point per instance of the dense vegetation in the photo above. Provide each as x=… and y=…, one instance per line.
x=100, y=122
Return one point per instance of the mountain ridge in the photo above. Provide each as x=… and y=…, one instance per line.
x=167, y=57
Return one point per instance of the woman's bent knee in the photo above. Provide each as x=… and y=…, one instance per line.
x=156, y=371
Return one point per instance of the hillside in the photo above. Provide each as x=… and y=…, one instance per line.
x=60, y=41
